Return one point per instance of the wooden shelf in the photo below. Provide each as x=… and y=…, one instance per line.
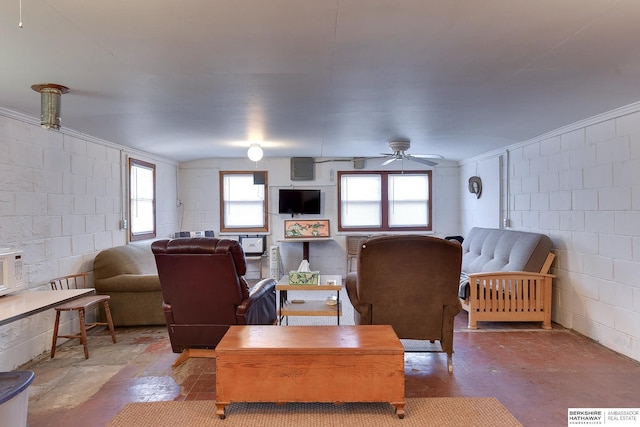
x=310, y=308
x=283, y=287
x=305, y=239
x=305, y=243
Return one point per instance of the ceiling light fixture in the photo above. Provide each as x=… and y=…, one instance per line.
x=50, y=99
x=255, y=152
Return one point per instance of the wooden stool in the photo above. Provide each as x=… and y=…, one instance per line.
x=78, y=281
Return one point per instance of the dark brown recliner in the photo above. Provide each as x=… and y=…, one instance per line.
x=411, y=283
x=204, y=291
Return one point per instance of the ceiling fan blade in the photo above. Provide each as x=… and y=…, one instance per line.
x=421, y=160
x=381, y=156
x=428, y=156
x=386, y=162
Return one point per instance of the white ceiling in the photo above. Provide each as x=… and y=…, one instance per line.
x=324, y=78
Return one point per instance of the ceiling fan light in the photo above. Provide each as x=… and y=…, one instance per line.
x=255, y=152
x=399, y=148
x=50, y=101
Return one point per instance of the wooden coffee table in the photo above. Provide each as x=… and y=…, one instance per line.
x=310, y=364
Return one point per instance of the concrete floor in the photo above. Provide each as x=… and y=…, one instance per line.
x=535, y=374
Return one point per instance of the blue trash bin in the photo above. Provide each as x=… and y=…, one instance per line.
x=14, y=399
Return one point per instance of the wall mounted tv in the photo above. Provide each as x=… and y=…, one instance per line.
x=299, y=201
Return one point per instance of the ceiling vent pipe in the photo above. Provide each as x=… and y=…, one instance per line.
x=50, y=100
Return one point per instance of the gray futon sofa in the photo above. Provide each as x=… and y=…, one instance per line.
x=505, y=276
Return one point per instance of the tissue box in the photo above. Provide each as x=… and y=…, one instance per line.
x=304, y=277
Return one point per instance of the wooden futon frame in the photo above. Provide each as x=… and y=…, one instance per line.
x=516, y=296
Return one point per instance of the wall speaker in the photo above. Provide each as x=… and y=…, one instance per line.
x=358, y=163
x=302, y=169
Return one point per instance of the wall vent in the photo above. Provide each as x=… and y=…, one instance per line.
x=302, y=169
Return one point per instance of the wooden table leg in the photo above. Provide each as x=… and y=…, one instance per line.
x=399, y=409
x=220, y=409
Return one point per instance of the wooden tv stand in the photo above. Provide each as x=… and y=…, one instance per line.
x=310, y=364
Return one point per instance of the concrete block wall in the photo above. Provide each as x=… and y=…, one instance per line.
x=486, y=210
x=582, y=188
x=61, y=202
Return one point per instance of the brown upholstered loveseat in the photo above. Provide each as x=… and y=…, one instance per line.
x=129, y=275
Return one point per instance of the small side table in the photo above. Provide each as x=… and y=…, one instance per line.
x=287, y=308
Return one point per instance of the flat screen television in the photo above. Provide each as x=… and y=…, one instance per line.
x=299, y=201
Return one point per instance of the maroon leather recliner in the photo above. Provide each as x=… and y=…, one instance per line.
x=204, y=291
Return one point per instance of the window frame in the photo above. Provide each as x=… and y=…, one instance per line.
x=145, y=235
x=384, y=201
x=265, y=207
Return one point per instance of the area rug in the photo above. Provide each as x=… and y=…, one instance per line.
x=436, y=411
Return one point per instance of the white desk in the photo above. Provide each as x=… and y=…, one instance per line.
x=25, y=303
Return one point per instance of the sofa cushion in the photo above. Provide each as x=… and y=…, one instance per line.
x=488, y=249
x=129, y=283
x=492, y=249
x=134, y=258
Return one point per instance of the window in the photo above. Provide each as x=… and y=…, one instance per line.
x=384, y=201
x=142, y=200
x=243, y=204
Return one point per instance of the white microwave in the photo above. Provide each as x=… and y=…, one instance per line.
x=10, y=271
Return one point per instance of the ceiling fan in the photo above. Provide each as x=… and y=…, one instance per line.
x=399, y=149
